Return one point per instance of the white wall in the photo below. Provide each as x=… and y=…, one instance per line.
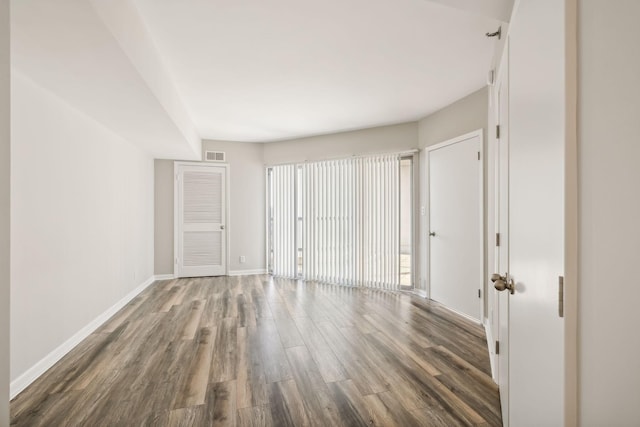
x=609, y=174
x=4, y=212
x=463, y=116
x=246, y=203
x=82, y=229
x=123, y=20
x=68, y=48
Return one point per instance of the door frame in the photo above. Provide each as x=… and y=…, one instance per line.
x=480, y=134
x=500, y=318
x=176, y=232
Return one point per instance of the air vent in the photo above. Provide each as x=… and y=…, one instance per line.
x=214, y=156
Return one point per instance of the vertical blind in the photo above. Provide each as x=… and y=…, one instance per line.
x=282, y=215
x=345, y=219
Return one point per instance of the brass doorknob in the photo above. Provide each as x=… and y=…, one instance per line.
x=503, y=282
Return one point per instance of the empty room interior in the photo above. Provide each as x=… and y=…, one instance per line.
x=330, y=213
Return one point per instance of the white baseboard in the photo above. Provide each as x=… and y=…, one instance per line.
x=247, y=272
x=461, y=314
x=164, y=277
x=417, y=292
x=421, y=292
x=52, y=358
x=492, y=357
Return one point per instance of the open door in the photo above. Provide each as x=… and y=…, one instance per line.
x=200, y=220
x=531, y=175
x=536, y=213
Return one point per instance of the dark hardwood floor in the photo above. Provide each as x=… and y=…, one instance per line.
x=259, y=351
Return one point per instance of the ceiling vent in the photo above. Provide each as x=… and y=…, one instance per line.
x=214, y=156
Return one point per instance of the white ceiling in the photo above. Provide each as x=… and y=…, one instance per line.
x=165, y=74
x=250, y=70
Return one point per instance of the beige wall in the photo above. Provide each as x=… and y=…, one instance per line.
x=4, y=212
x=163, y=217
x=247, y=181
x=373, y=140
x=609, y=210
x=82, y=222
x=247, y=165
x=393, y=138
x=463, y=116
x=246, y=203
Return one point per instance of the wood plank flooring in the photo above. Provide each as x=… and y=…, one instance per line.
x=262, y=351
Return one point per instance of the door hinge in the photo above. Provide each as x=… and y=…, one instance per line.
x=479, y=294
x=497, y=347
x=478, y=155
x=497, y=131
x=177, y=260
x=497, y=239
x=561, y=296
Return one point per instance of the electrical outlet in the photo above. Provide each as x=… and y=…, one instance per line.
x=423, y=211
x=243, y=258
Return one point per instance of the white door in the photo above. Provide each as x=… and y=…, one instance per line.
x=501, y=299
x=455, y=224
x=535, y=202
x=201, y=235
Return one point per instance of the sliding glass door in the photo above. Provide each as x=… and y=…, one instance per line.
x=343, y=221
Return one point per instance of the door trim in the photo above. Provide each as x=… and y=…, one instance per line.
x=501, y=205
x=480, y=134
x=571, y=220
x=176, y=165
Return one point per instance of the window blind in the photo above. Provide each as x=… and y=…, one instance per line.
x=282, y=220
x=350, y=221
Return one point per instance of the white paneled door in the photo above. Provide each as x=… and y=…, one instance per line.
x=455, y=224
x=201, y=218
x=536, y=200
